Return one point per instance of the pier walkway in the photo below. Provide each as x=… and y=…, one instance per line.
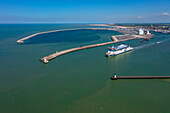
x=54, y=55
x=140, y=77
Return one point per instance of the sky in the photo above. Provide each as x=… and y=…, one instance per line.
x=84, y=11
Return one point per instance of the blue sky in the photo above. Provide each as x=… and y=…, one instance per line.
x=84, y=11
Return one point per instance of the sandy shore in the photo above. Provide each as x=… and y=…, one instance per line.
x=111, y=26
x=122, y=27
x=99, y=24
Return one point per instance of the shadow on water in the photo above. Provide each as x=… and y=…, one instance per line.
x=119, y=57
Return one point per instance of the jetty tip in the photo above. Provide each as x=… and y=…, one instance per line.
x=20, y=41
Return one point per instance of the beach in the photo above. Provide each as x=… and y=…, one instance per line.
x=111, y=25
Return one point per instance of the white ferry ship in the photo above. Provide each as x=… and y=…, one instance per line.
x=116, y=50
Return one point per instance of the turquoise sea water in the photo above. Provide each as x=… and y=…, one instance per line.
x=79, y=82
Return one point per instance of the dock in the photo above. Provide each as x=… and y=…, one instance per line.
x=130, y=37
x=140, y=77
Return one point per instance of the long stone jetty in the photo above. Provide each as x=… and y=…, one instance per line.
x=140, y=77
x=114, y=38
x=54, y=55
x=25, y=38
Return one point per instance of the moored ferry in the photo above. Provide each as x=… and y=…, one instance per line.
x=116, y=50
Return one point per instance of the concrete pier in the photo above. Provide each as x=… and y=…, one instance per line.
x=114, y=38
x=54, y=55
x=140, y=77
x=25, y=38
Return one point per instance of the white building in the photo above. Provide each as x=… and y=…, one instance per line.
x=141, y=32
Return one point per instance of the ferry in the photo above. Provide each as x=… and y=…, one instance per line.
x=116, y=50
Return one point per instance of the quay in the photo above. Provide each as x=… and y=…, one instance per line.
x=130, y=37
x=140, y=77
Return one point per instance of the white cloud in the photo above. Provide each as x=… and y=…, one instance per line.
x=164, y=14
x=139, y=16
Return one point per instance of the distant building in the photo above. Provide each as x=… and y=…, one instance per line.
x=141, y=32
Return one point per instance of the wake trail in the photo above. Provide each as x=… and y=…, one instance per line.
x=151, y=44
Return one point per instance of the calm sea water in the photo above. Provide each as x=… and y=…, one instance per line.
x=79, y=82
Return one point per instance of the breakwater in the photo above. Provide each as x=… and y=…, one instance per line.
x=33, y=35
x=140, y=77
x=114, y=38
x=54, y=55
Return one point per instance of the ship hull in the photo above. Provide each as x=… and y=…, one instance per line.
x=113, y=54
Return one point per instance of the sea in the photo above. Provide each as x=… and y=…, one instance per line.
x=79, y=82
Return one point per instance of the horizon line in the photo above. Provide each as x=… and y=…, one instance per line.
x=85, y=23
